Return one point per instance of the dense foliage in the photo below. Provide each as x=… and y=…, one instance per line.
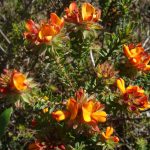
x=74, y=75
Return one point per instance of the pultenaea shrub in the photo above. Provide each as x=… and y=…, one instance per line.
x=77, y=81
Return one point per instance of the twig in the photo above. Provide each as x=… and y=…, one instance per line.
x=2, y=49
x=145, y=42
x=147, y=39
x=92, y=58
x=147, y=49
x=5, y=37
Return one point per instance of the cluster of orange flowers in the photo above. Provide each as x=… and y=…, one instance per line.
x=12, y=82
x=134, y=97
x=46, y=31
x=82, y=109
x=137, y=56
x=85, y=110
x=86, y=16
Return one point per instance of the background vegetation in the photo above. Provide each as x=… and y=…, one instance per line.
x=60, y=74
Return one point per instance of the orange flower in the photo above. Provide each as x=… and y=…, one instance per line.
x=18, y=81
x=84, y=110
x=107, y=135
x=72, y=110
x=89, y=13
x=12, y=81
x=56, y=22
x=44, y=32
x=133, y=96
x=86, y=16
x=72, y=13
x=92, y=112
x=16, y=86
x=137, y=56
x=32, y=30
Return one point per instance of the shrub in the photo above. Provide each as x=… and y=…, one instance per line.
x=77, y=79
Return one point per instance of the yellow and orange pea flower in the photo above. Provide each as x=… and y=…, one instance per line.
x=12, y=81
x=45, y=31
x=133, y=96
x=139, y=58
x=87, y=15
x=84, y=110
x=18, y=81
x=108, y=135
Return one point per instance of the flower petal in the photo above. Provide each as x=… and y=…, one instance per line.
x=127, y=51
x=46, y=31
x=87, y=110
x=31, y=26
x=109, y=131
x=60, y=115
x=121, y=85
x=99, y=116
x=55, y=20
x=72, y=107
x=104, y=136
x=87, y=12
x=115, y=139
x=73, y=7
x=19, y=81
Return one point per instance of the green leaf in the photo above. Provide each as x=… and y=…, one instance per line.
x=141, y=144
x=4, y=120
